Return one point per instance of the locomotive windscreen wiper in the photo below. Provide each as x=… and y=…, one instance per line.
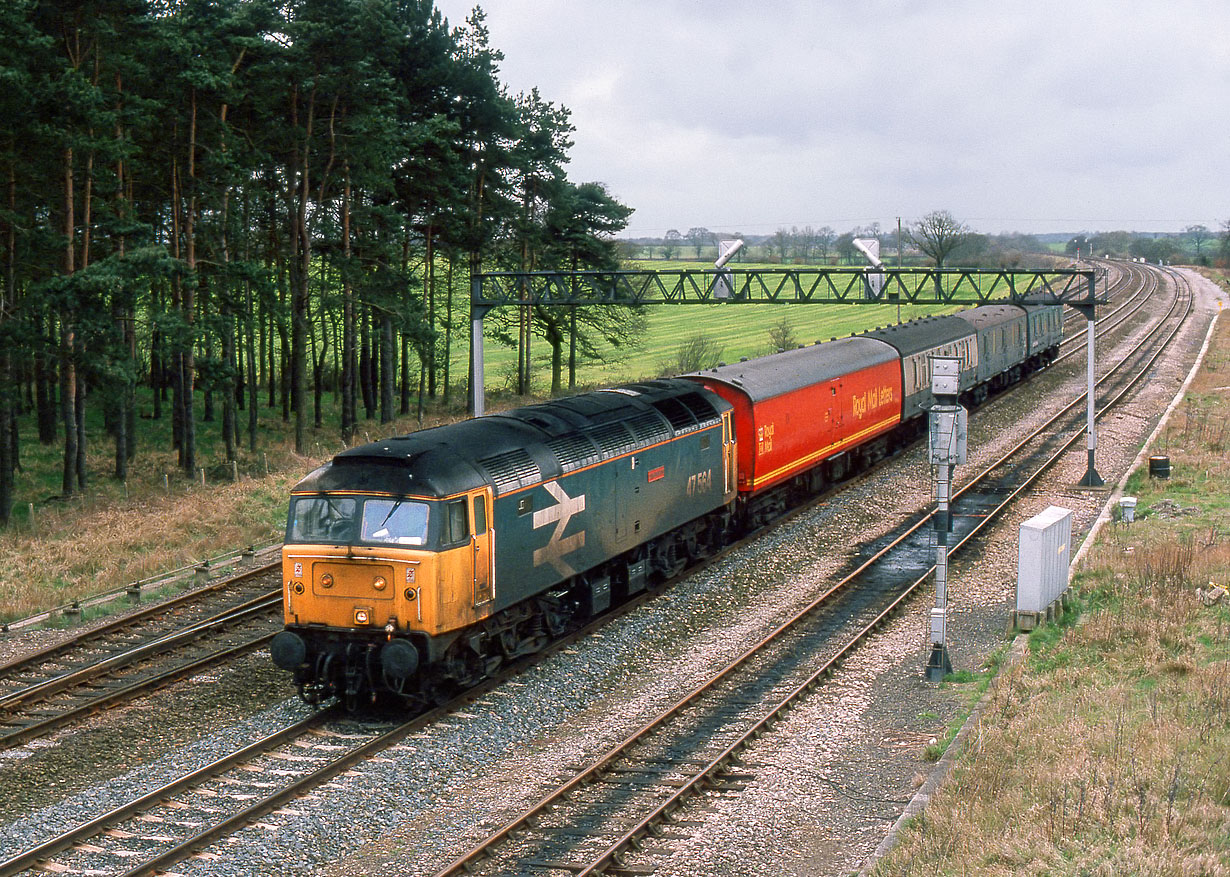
x=395, y=507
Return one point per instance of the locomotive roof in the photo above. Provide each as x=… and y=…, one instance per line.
x=919, y=335
x=790, y=370
x=524, y=446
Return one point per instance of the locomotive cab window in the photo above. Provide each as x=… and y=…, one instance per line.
x=455, y=525
x=322, y=519
x=394, y=521
x=343, y=520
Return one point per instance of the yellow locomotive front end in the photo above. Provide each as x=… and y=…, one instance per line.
x=357, y=562
x=374, y=584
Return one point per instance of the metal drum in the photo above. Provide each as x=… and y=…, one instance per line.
x=1159, y=467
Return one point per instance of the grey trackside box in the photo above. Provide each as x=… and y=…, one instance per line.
x=1042, y=567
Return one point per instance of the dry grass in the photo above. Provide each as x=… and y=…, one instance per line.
x=116, y=534
x=1106, y=752
x=96, y=548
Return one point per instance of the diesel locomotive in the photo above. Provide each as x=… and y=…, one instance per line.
x=421, y=563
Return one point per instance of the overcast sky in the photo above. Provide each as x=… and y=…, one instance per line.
x=755, y=115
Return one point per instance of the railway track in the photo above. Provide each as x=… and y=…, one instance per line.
x=139, y=653
x=600, y=817
x=249, y=784
x=136, y=654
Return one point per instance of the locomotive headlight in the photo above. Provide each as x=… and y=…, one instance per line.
x=326, y=581
x=362, y=616
x=380, y=583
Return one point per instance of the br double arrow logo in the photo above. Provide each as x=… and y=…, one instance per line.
x=559, y=514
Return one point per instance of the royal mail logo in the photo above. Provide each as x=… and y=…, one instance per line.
x=559, y=514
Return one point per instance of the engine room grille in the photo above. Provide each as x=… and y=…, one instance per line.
x=613, y=439
x=648, y=429
x=573, y=452
x=681, y=419
x=701, y=408
x=511, y=469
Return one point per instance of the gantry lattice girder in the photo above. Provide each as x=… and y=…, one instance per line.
x=1071, y=286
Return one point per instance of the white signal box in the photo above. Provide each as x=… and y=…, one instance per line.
x=948, y=426
x=1044, y=554
x=946, y=376
x=948, y=436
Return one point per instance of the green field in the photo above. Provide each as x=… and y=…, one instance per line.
x=738, y=329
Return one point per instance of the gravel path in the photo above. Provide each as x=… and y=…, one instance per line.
x=827, y=782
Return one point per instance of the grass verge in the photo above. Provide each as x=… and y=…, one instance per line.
x=1105, y=751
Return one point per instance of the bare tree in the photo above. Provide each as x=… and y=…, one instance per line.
x=1198, y=235
x=824, y=241
x=939, y=233
x=671, y=244
x=779, y=242
x=699, y=237
x=694, y=354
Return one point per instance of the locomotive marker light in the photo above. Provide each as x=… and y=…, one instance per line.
x=946, y=445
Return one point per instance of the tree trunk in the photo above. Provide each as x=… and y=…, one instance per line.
x=448, y=329
x=44, y=394
x=8, y=456
x=365, y=364
x=80, y=427
x=187, y=368
x=404, y=408
x=349, y=412
x=228, y=394
x=68, y=373
x=253, y=354
x=388, y=356
x=572, y=349
x=301, y=264
x=429, y=271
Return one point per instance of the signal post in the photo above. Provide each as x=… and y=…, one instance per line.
x=946, y=445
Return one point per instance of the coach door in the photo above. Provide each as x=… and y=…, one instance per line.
x=481, y=539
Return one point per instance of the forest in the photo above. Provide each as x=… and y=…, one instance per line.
x=244, y=203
